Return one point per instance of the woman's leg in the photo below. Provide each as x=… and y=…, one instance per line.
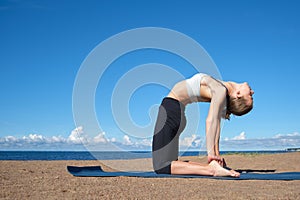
x=227, y=168
x=212, y=169
x=169, y=124
x=180, y=167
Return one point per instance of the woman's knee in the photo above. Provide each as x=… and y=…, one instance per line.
x=163, y=170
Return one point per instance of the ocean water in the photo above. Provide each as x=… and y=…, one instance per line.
x=85, y=155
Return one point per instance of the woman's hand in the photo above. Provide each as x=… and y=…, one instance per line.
x=219, y=159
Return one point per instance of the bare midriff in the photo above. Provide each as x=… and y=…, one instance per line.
x=180, y=93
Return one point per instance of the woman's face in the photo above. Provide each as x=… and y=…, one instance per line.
x=246, y=92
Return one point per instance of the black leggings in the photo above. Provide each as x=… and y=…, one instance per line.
x=169, y=125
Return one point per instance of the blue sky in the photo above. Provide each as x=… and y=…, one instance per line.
x=44, y=43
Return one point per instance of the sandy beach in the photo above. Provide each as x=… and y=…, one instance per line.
x=50, y=180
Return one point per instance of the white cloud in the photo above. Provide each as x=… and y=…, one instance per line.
x=77, y=136
x=146, y=142
x=34, y=138
x=126, y=140
x=188, y=141
x=10, y=139
x=277, y=142
x=193, y=141
x=100, y=138
x=129, y=143
x=241, y=136
x=57, y=139
x=295, y=134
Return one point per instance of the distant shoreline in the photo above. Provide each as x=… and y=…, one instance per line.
x=109, y=155
x=293, y=149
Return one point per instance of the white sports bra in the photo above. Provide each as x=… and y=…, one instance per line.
x=193, y=87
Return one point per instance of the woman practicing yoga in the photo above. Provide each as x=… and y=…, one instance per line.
x=225, y=98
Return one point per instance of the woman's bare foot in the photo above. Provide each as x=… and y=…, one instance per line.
x=220, y=171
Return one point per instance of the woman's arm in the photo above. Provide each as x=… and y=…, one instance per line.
x=212, y=132
x=217, y=105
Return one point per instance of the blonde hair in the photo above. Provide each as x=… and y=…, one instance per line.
x=237, y=106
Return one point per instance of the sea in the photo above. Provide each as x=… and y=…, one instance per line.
x=104, y=155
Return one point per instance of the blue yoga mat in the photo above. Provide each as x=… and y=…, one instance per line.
x=96, y=171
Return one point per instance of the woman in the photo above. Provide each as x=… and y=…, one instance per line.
x=225, y=98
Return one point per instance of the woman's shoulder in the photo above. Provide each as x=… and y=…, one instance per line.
x=215, y=85
x=197, y=76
